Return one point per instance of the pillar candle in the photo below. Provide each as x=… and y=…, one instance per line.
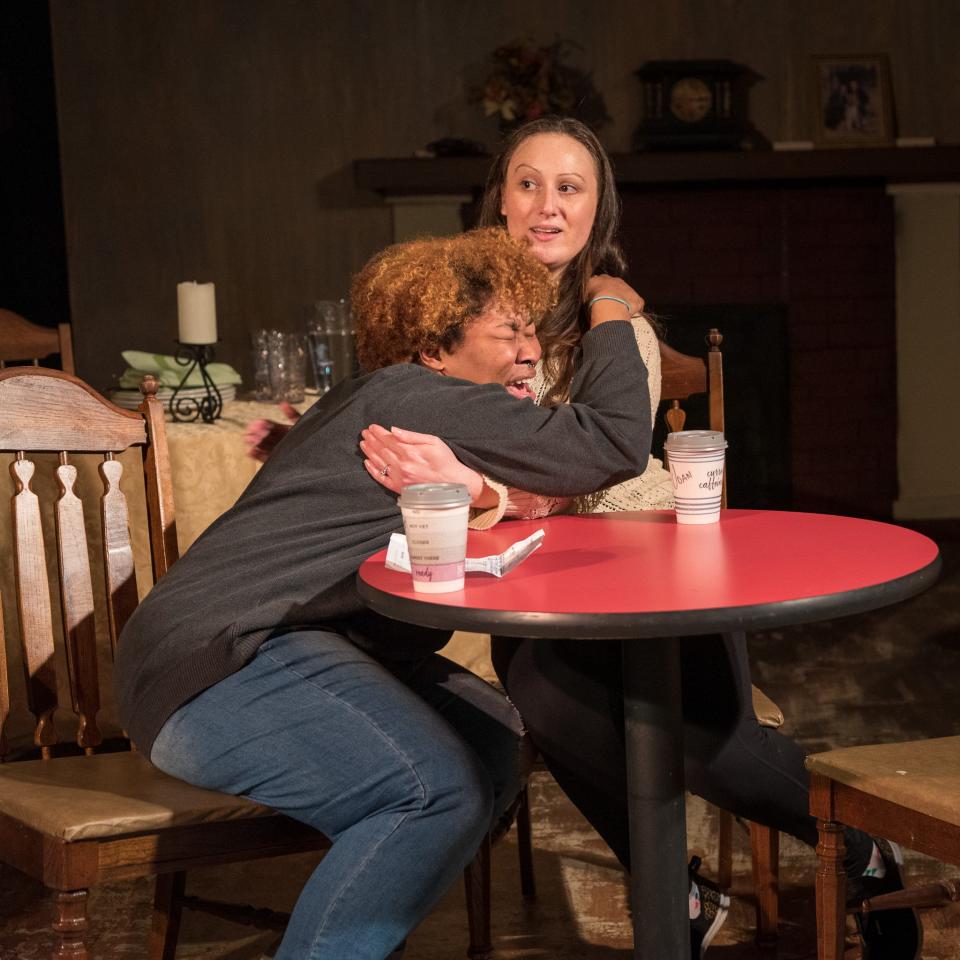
x=197, y=312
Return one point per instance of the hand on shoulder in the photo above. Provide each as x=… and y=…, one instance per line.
x=611, y=298
x=396, y=458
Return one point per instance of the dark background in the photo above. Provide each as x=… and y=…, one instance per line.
x=33, y=262
x=145, y=144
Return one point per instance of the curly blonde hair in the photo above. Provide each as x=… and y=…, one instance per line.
x=421, y=295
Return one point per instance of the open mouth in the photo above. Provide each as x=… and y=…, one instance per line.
x=545, y=233
x=520, y=389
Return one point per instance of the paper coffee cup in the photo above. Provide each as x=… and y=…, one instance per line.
x=696, y=459
x=435, y=522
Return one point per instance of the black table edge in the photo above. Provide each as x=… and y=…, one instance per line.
x=671, y=623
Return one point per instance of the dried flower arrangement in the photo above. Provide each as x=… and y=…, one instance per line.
x=526, y=81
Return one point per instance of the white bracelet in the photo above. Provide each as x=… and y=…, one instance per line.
x=606, y=297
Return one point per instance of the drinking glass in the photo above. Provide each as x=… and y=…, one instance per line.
x=296, y=358
x=331, y=337
x=285, y=365
x=261, y=365
x=321, y=361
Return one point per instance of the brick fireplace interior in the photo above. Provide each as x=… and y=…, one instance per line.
x=800, y=280
x=757, y=396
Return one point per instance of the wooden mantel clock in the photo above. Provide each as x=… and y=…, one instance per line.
x=696, y=104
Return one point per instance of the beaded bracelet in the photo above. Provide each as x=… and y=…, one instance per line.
x=606, y=297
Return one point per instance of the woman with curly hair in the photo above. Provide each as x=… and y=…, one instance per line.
x=253, y=668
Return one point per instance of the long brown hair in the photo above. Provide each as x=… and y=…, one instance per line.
x=560, y=331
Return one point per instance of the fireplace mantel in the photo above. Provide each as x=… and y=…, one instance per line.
x=440, y=176
x=822, y=233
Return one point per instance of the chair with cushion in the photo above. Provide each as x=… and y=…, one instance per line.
x=73, y=815
x=21, y=340
x=906, y=792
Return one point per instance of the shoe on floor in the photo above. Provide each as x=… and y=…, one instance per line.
x=708, y=911
x=887, y=934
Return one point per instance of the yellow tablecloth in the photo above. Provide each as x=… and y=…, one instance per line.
x=210, y=470
x=210, y=466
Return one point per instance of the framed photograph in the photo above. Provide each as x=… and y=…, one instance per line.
x=853, y=101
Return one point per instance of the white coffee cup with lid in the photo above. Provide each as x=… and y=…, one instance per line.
x=696, y=462
x=435, y=522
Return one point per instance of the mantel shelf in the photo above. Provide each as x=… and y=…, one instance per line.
x=415, y=176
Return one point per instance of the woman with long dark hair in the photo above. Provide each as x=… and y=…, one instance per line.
x=552, y=185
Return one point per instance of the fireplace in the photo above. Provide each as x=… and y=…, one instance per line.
x=802, y=242
x=806, y=274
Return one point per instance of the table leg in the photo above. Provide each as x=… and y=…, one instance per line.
x=658, y=835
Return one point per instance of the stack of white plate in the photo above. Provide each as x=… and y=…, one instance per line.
x=130, y=399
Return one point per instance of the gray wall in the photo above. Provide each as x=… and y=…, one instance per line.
x=212, y=139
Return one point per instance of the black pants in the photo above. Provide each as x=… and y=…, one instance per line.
x=570, y=695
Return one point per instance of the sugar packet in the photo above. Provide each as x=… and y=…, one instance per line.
x=499, y=565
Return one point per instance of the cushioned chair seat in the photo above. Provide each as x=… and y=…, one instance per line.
x=109, y=795
x=921, y=775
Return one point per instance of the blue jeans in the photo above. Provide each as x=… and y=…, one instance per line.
x=404, y=766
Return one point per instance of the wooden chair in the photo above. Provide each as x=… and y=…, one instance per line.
x=477, y=873
x=72, y=816
x=22, y=340
x=683, y=376
x=906, y=792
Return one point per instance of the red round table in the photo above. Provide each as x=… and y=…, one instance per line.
x=639, y=576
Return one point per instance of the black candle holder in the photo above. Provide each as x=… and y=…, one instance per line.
x=207, y=407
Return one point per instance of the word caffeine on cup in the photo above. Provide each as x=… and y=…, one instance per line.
x=696, y=459
x=435, y=523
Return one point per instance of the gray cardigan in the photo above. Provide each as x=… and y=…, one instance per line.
x=286, y=554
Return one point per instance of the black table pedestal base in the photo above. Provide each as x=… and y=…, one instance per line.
x=658, y=833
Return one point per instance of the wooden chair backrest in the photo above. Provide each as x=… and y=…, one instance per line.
x=22, y=340
x=44, y=412
x=682, y=376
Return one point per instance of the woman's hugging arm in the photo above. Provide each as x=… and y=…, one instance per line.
x=397, y=457
x=600, y=438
